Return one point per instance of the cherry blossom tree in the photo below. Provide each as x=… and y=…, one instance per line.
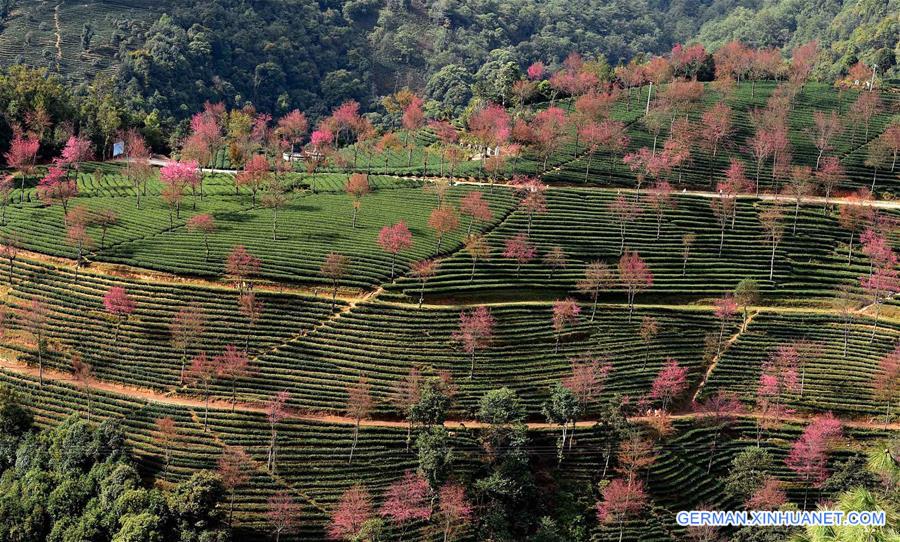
x=687, y=60
x=565, y=313
x=877, y=157
x=234, y=467
x=670, y=383
x=137, y=168
x=597, y=277
x=799, y=186
x=34, y=320
x=201, y=373
x=769, y=496
x=826, y=128
x=759, y=145
x=205, y=225
x=536, y=71
x=620, y=501
x=829, y=175
x=57, y=188
x=283, y=513
x=255, y=175
x=119, y=305
x=687, y=242
x=555, y=258
x=772, y=221
x=77, y=235
x=393, y=240
x=166, y=435
x=659, y=199
x=275, y=197
x=405, y=395
x=186, y=329
x=413, y=119
x=251, y=308
x=334, y=268
x=7, y=185
x=82, y=373
x=205, y=137
x=353, y=511
x=406, y=500
x=475, y=333
x=803, y=61
x=474, y=206
x=532, y=199
x=733, y=61
x=808, y=457
x=242, y=265
x=648, y=331
x=178, y=175
x=489, y=127
x=608, y=136
x=232, y=365
x=724, y=309
x=863, y=110
x=882, y=282
x=585, y=383
x=635, y=276
x=423, y=271
x=76, y=151
x=320, y=141
x=291, y=128
x=357, y=187
x=715, y=128
x=549, y=127
x=625, y=210
x=454, y=509
x=172, y=195
x=855, y=216
x=21, y=156
x=520, y=249
x=478, y=249
x=891, y=137
x=359, y=407
x=779, y=376
x=886, y=381
x=276, y=412
x=104, y=219
x=443, y=220
x=720, y=411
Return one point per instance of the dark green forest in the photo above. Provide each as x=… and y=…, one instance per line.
x=165, y=59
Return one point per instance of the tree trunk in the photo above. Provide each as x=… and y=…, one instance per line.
x=274, y=224
x=850, y=250
x=772, y=262
x=355, y=438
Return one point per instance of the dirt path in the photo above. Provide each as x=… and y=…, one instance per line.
x=818, y=200
x=724, y=348
x=59, y=54
x=10, y=364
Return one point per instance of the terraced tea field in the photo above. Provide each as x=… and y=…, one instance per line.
x=473, y=351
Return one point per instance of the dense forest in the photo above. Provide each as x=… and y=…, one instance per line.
x=163, y=60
